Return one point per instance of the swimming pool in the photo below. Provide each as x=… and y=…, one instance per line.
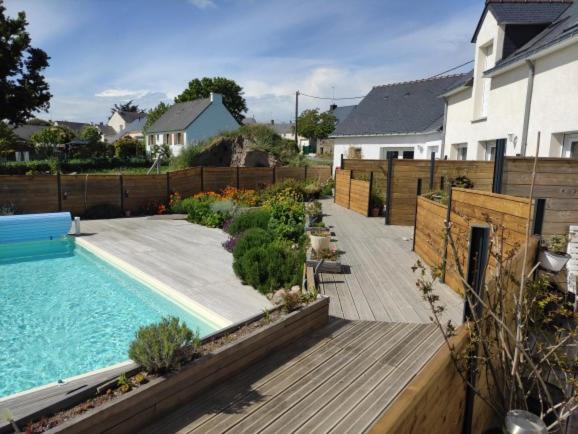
x=65, y=312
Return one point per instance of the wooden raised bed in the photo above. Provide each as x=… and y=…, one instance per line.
x=162, y=395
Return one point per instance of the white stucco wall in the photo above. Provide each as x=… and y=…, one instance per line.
x=374, y=147
x=554, y=108
x=116, y=122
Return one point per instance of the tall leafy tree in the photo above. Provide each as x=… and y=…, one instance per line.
x=52, y=136
x=8, y=140
x=91, y=134
x=231, y=91
x=126, y=107
x=154, y=114
x=23, y=88
x=314, y=125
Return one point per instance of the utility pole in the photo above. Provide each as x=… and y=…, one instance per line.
x=296, y=117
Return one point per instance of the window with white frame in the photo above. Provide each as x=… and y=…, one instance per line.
x=461, y=151
x=570, y=148
x=490, y=150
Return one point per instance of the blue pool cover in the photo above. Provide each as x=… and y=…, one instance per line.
x=34, y=227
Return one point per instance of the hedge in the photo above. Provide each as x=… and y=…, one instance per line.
x=76, y=165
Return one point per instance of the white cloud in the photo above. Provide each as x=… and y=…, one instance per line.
x=121, y=93
x=203, y=4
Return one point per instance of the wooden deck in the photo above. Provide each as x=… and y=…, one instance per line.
x=379, y=285
x=339, y=379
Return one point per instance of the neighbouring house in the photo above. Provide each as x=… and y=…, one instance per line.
x=133, y=129
x=107, y=132
x=404, y=120
x=188, y=123
x=524, y=82
x=24, y=150
x=119, y=120
x=326, y=145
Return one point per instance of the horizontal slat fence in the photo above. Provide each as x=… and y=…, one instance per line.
x=505, y=213
x=556, y=181
x=137, y=193
x=404, y=190
x=353, y=193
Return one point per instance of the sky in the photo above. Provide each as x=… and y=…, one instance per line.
x=110, y=51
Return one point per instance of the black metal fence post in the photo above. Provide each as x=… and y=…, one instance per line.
x=305, y=173
x=274, y=175
x=202, y=179
x=477, y=259
x=59, y=190
x=238, y=181
x=539, y=210
x=388, y=189
x=121, y=186
x=432, y=168
x=168, y=188
x=369, y=202
x=341, y=165
x=418, y=194
x=499, y=162
x=442, y=183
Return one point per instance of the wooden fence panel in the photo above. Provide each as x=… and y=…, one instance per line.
x=82, y=192
x=319, y=173
x=403, y=189
x=255, y=177
x=429, y=230
x=218, y=178
x=185, y=182
x=283, y=173
x=556, y=181
x=481, y=173
x=141, y=191
x=29, y=194
x=342, y=185
x=359, y=197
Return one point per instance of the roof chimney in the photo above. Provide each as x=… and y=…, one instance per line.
x=216, y=97
x=272, y=121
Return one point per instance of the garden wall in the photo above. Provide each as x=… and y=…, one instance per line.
x=137, y=193
x=506, y=213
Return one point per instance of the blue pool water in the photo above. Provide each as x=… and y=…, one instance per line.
x=64, y=312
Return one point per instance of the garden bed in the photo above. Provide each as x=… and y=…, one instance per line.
x=223, y=355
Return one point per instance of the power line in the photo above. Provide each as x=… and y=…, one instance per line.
x=452, y=69
x=336, y=99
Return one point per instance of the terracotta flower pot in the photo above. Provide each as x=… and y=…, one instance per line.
x=375, y=212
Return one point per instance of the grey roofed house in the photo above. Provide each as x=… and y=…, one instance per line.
x=281, y=128
x=108, y=133
x=179, y=116
x=341, y=113
x=410, y=107
x=25, y=132
x=564, y=27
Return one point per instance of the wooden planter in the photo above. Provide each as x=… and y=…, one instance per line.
x=162, y=395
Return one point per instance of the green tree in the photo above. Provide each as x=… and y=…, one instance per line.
x=46, y=140
x=23, y=88
x=127, y=147
x=154, y=114
x=314, y=126
x=126, y=107
x=91, y=134
x=8, y=140
x=231, y=91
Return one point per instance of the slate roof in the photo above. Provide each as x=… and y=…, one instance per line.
x=563, y=28
x=400, y=108
x=180, y=116
x=342, y=112
x=281, y=128
x=522, y=12
x=130, y=116
x=466, y=81
x=25, y=132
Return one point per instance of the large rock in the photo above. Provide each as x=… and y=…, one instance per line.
x=231, y=152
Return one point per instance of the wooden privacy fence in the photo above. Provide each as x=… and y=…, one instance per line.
x=136, y=193
x=354, y=194
x=507, y=214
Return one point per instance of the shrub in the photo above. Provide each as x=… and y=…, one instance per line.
x=287, y=216
x=231, y=243
x=250, y=239
x=128, y=146
x=270, y=267
x=71, y=165
x=163, y=346
x=257, y=218
x=327, y=188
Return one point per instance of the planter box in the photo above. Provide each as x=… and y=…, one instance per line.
x=326, y=267
x=162, y=395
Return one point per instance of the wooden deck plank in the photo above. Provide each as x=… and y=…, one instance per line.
x=380, y=283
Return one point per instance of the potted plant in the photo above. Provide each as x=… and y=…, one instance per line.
x=313, y=210
x=377, y=201
x=320, y=239
x=554, y=257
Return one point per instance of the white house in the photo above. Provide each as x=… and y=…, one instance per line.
x=188, y=123
x=404, y=120
x=524, y=81
x=119, y=120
